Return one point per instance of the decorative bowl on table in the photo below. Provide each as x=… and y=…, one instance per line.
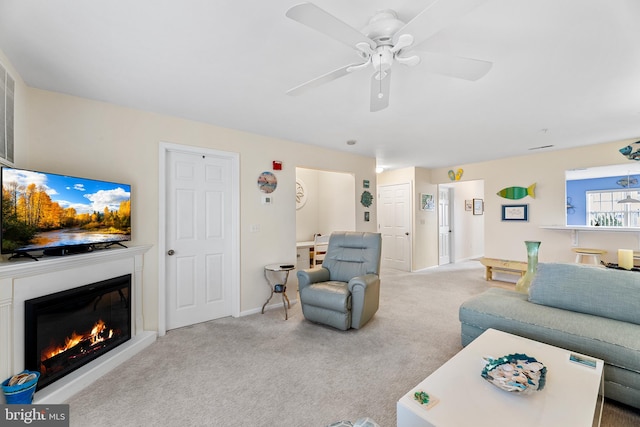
x=517, y=373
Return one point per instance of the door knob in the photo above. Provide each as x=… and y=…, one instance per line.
x=171, y=252
x=407, y=233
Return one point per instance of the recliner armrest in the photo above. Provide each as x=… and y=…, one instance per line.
x=365, y=296
x=314, y=275
x=364, y=281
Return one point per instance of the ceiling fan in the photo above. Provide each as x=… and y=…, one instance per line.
x=386, y=39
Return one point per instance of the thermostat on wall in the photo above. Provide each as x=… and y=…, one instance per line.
x=267, y=200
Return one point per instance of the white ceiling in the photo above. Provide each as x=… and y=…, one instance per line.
x=565, y=72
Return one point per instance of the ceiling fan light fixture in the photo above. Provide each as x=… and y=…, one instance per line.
x=385, y=59
x=628, y=199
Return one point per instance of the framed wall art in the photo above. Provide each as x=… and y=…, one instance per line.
x=515, y=212
x=427, y=202
x=478, y=206
x=468, y=205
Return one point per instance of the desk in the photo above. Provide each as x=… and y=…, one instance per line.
x=277, y=275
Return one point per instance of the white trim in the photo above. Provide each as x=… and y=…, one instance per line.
x=276, y=305
x=235, y=226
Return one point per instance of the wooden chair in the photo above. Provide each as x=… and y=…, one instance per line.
x=320, y=245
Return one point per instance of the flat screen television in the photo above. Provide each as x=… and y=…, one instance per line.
x=58, y=214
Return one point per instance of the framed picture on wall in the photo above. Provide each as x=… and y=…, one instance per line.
x=468, y=205
x=427, y=202
x=515, y=212
x=478, y=206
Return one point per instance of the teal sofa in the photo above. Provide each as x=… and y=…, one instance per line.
x=586, y=309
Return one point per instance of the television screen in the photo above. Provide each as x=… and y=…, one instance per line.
x=43, y=211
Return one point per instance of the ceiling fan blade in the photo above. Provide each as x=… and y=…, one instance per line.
x=312, y=16
x=325, y=78
x=438, y=15
x=380, y=91
x=455, y=66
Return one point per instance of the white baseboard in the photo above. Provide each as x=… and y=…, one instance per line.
x=273, y=306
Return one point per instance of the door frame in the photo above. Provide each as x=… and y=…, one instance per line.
x=234, y=233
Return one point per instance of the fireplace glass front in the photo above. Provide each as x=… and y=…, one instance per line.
x=66, y=330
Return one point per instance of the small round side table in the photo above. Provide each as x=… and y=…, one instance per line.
x=277, y=275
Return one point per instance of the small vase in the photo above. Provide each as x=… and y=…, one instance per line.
x=532, y=265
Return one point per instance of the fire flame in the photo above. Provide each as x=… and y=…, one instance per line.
x=96, y=336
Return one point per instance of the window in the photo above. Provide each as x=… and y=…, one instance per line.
x=604, y=210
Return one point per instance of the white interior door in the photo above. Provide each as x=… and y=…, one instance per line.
x=394, y=214
x=444, y=225
x=199, y=256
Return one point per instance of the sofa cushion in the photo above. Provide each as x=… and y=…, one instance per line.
x=604, y=292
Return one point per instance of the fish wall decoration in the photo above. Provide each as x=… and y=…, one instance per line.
x=515, y=193
x=632, y=151
x=627, y=182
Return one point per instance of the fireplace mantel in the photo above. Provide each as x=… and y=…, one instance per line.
x=25, y=279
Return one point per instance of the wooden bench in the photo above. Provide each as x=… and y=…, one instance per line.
x=503, y=266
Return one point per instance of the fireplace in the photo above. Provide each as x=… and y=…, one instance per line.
x=68, y=329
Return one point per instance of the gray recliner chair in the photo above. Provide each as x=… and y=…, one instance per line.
x=344, y=293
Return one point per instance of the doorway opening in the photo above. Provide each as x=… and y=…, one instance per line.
x=324, y=202
x=467, y=230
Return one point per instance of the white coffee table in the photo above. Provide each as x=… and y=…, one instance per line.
x=572, y=395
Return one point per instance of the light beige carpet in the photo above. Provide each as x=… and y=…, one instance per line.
x=261, y=370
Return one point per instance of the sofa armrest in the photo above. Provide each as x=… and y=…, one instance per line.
x=365, y=298
x=309, y=276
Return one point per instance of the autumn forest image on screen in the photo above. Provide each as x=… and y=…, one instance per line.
x=42, y=210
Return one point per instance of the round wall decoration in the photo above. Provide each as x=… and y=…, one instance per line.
x=366, y=199
x=301, y=193
x=267, y=182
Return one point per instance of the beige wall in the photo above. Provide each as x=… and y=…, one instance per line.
x=69, y=135
x=425, y=232
x=330, y=204
x=546, y=169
